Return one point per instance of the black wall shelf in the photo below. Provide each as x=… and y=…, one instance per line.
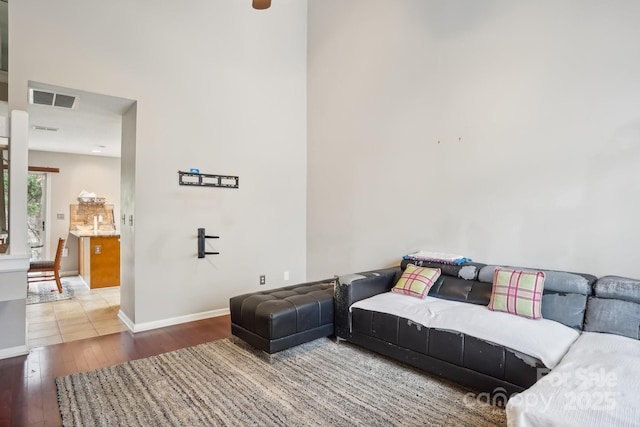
x=208, y=180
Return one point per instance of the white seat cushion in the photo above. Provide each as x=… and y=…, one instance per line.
x=595, y=384
x=542, y=339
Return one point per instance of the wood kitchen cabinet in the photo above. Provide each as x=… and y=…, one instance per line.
x=99, y=258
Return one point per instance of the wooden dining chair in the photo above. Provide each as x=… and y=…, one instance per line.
x=47, y=270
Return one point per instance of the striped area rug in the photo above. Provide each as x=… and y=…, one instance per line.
x=222, y=383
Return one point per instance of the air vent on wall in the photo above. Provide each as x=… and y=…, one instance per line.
x=42, y=97
x=49, y=129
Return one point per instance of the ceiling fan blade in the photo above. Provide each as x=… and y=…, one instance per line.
x=261, y=4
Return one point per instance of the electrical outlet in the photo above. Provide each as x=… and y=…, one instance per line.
x=286, y=275
x=97, y=249
x=65, y=252
x=60, y=216
x=263, y=280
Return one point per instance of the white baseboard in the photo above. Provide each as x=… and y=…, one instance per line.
x=69, y=273
x=125, y=319
x=147, y=326
x=20, y=350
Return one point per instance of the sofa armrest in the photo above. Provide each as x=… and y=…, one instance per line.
x=355, y=287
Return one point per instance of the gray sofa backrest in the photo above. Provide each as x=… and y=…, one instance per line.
x=457, y=282
x=565, y=294
x=615, y=308
x=555, y=281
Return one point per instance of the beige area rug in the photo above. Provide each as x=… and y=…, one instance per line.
x=222, y=383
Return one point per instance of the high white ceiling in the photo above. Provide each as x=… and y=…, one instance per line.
x=93, y=125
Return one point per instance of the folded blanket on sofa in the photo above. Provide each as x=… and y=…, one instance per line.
x=465, y=270
x=441, y=257
x=543, y=339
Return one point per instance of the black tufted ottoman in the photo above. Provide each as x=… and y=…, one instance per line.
x=282, y=318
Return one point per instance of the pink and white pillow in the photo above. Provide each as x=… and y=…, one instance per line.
x=517, y=292
x=416, y=281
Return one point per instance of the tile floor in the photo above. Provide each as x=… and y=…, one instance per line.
x=91, y=312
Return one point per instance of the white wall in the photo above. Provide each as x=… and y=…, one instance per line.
x=220, y=87
x=505, y=131
x=14, y=265
x=96, y=174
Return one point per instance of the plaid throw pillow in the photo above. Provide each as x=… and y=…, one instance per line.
x=517, y=292
x=416, y=281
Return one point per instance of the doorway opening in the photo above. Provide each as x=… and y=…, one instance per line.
x=83, y=142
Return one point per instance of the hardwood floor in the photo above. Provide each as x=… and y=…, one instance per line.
x=27, y=383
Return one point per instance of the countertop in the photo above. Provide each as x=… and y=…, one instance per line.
x=91, y=233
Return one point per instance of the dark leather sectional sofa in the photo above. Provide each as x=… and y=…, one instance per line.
x=610, y=306
x=467, y=360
